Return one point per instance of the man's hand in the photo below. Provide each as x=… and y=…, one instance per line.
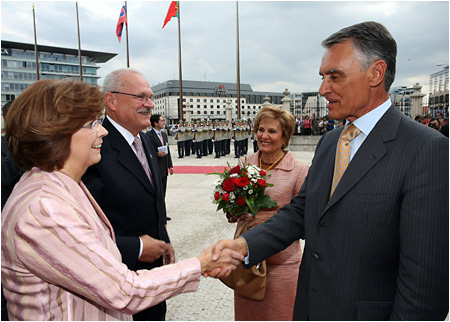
x=152, y=249
x=169, y=256
x=162, y=154
x=171, y=171
x=223, y=265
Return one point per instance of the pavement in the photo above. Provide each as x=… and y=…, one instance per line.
x=194, y=226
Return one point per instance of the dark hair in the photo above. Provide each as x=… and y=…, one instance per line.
x=43, y=118
x=6, y=107
x=154, y=119
x=372, y=42
x=286, y=119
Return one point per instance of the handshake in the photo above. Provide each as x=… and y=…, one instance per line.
x=222, y=257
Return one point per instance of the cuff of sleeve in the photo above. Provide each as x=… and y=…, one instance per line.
x=141, y=246
x=247, y=258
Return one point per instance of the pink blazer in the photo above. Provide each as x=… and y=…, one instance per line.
x=60, y=260
x=287, y=177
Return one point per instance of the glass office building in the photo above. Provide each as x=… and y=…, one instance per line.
x=19, y=66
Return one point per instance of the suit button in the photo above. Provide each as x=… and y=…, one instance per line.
x=316, y=257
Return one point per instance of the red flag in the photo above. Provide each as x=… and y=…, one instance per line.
x=173, y=12
x=121, y=22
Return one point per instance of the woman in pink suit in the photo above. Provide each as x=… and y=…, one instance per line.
x=59, y=257
x=274, y=128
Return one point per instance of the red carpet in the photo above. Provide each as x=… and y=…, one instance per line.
x=197, y=169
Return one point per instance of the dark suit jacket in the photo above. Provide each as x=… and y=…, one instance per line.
x=164, y=162
x=378, y=249
x=121, y=188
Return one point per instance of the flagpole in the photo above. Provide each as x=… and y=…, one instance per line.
x=35, y=45
x=79, y=43
x=126, y=30
x=237, y=63
x=179, y=58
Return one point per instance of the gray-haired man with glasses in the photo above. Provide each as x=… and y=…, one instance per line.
x=126, y=183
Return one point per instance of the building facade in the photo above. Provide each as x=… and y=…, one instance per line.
x=208, y=100
x=19, y=66
x=438, y=94
x=309, y=103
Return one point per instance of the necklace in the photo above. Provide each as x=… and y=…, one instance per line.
x=276, y=161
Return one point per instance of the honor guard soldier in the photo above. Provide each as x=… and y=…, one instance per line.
x=189, y=137
x=217, y=139
x=210, y=136
x=179, y=137
x=228, y=135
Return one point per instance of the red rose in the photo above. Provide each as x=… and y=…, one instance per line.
x=240, y=201
x=229, y=184
x=242, y=182
x=262, y=182
x=217, y=195
x=262, y=173
x=225, y=197
x=236, y=169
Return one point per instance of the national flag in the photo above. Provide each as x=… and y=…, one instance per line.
x=121, y=22
x=173, y=12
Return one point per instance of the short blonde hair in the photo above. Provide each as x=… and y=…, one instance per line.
x=286, y=119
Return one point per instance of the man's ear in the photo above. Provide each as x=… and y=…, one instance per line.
x=111, y=101
x=377, y=72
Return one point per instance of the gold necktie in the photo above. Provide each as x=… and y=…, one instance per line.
x=343, y=154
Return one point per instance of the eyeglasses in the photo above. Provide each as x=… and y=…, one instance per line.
x=94, y=124
x=141, y=98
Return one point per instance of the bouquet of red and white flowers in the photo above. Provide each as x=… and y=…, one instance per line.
x=240, y=190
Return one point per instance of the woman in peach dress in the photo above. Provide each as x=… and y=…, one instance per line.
x=274, y=128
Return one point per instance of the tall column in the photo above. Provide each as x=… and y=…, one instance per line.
x=286, y=100
x=416, y=98
x=188, y=112
x=228, y=110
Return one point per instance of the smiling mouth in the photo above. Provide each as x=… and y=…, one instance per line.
x=97, y=146
x=145, y=112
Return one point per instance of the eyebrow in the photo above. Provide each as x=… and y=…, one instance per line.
x=332, y=71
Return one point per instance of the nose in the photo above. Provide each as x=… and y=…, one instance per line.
x=101, y=131
x=149, y=103
x=324, y=88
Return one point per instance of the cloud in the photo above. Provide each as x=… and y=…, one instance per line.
x=279, y=40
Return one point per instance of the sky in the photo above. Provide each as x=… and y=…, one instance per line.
x=280, y=41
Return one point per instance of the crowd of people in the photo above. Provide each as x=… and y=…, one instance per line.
x=84, y=229
x=438, y=122
x=206, y=137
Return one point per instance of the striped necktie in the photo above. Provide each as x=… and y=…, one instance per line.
x=141, y=157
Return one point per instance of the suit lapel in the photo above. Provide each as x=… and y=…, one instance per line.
x=370, y=153
x=156, y=139
x=99, y=211
x=126, y=156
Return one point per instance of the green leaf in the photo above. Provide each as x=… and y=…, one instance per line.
x=267, y=202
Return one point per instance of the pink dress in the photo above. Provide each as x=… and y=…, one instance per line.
x=282, y=268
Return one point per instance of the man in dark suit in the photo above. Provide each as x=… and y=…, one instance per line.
x=159, y=139
x=376, y=247
x=126, y=182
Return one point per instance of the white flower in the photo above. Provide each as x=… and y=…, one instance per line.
x=250, y=191
x=252, y=170
x=232, y=196
x=234, y=175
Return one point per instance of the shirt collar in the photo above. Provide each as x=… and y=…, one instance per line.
x=368, y=121
x=156, y=131
x=128, y=136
